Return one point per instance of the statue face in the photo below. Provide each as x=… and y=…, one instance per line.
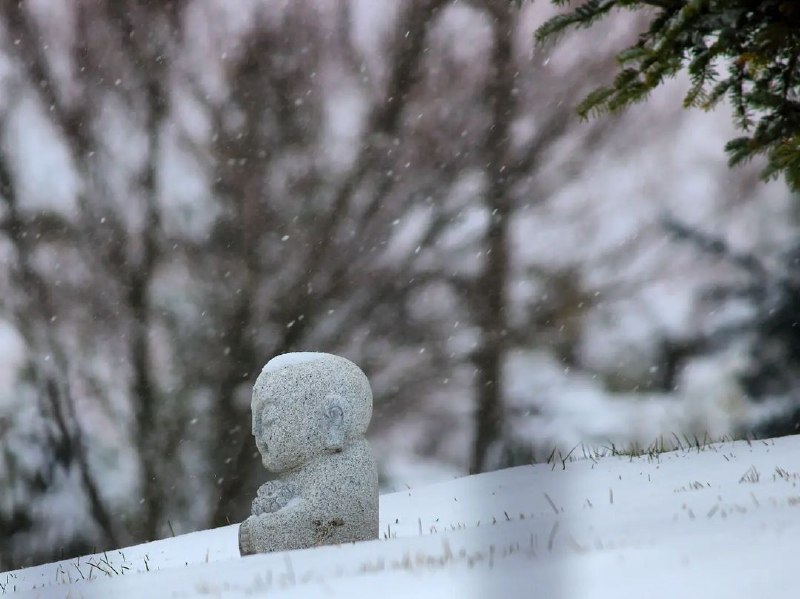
x=265, y=431
x=286, y=426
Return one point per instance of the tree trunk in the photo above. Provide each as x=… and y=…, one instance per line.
x=489, y=300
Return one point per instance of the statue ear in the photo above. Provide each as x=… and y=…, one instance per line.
x=334, y=429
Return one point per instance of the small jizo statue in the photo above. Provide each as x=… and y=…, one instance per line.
x=310, y=413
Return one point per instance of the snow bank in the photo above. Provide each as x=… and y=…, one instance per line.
x=721, y=520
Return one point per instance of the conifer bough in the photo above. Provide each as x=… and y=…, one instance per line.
x=744, y=50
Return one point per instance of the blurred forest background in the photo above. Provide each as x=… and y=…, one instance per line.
x=190, y=187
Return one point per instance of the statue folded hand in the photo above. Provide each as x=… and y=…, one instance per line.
x=271, y=497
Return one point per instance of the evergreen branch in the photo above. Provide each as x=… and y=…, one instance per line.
x=759, y=41
x=583, y=16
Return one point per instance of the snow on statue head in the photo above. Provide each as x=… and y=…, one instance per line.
x=309, y=415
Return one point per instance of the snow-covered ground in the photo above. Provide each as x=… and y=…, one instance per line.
x=721, y=520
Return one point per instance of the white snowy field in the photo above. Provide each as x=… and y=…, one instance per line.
x=719, y=521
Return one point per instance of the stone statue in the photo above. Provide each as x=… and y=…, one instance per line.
x=310, y=413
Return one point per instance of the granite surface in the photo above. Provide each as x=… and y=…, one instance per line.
x=310, y=412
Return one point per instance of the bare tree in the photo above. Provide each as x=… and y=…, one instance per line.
x=393, y=247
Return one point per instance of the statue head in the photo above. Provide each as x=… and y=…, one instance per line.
x=306, y=405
